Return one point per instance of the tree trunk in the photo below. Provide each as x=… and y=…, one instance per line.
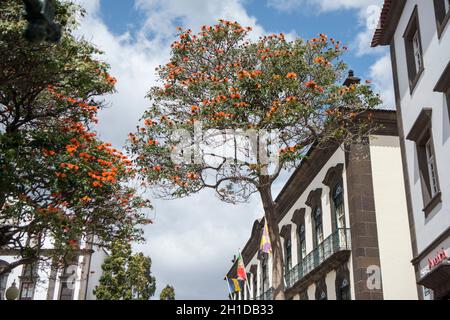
x=275, y=240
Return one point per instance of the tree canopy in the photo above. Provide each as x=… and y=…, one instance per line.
x=59, y=182
x=126, y=276
x=221, y=82
x=168, y=293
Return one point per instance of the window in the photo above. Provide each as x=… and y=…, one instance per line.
x=413, y=47
x=338, y=206
x=421, y=134
x=27, y=291
x=321, y=290
x=431, y=168
x=442, y=12
x=301, y=243
x=67, y=283
x=344, y=291
x=265, y=275
x=28, y=282
x=318, y=226
x=288, y=254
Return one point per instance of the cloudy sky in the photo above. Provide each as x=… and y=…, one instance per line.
x=193, y=240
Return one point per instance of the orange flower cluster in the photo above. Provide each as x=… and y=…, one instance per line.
x=291, y=75
x=152, y=142
x=81, y=104
x=288, y=149
x=241, y=104
x=248, y=74
x=192, y=176
x=69, y=166
x=291, y=99
x=48, y=153
x=49, y=210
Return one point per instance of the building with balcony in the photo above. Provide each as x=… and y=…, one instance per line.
x=418, y=34
x=343, y=220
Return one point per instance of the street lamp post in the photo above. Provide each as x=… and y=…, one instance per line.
x=40, y=15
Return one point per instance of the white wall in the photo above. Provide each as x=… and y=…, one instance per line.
x=394, y=238
x=436, y=57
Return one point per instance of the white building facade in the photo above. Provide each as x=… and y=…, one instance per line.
x=418, y=33
x=344, y=225
x=43, y=280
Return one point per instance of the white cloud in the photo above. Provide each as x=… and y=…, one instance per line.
x=381, y=75
x=322, y=5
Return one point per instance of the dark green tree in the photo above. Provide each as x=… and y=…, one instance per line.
x=168, y=293
x=126, y=276
x=58, y=181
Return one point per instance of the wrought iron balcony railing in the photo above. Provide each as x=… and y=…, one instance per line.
x=337, y=241
x=268, y=295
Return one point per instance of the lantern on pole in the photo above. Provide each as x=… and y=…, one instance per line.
x=40, y=15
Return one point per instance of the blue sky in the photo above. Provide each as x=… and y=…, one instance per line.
x=193, y=240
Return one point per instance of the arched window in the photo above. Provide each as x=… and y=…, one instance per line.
x=318, y=226
x=301, y=243
x=344, y=290
x=288, y=254
x=338, y=206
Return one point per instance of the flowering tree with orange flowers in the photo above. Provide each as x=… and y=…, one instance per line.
x=222, y=82
x=60, y=186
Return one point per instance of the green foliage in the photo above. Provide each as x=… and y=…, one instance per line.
x=223, y=81
x=58, y=181
x=168, y=293
x=126, y=276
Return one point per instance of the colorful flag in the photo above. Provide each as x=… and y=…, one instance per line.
x=234, y=285
x=241, y=273
x=265, y=245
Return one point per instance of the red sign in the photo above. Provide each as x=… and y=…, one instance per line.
x=440, y=256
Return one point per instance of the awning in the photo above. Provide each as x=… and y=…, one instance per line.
x=437, y=276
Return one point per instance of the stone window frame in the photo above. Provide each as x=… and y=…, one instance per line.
x=421, y=133
x=285, y=233
x=442, y=17
x=298, y=219
x=443, y=86
x=314, y=201
x=28, y=281
x=412, y=29
x=331, y=180
x=342, y=274
x=321, y=290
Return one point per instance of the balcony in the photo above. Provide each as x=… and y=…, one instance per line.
x=268, y=295
x=334, y=250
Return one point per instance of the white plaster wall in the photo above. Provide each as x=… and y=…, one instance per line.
x=394, y=239
x=337, y=158
x=312, y=292
x=436, y=57
x=95, y=272
x=330, y=280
